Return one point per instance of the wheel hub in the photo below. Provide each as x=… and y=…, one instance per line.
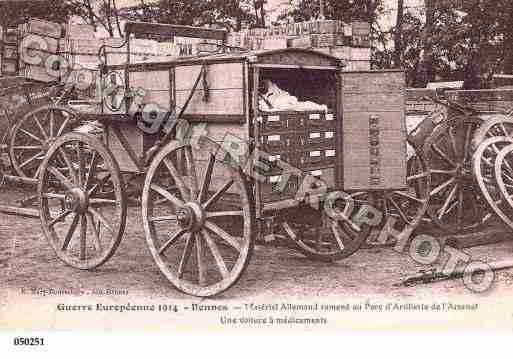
x=191, y=217
x=76, y=200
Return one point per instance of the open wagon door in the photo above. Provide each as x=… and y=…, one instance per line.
x=374, y=130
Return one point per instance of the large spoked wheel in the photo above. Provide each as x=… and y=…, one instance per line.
x=327, y=234
x=82, y=203
x=198, y=217
x=484, y=169
x=504, y=176
x=456, y=205
x=33, y=135
x=404, y=209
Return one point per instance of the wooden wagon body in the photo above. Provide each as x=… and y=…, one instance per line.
x=358, y=144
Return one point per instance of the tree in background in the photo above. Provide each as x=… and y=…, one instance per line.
x=13, y=13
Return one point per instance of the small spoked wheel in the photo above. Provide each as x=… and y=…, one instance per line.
x=487, y=156
x=327, y=233
x=455, y=205
x=82, y=201
x=198, y=218
x=33, y=135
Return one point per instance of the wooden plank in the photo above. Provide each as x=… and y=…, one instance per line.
x=221, y=102
x=219, y=76
x=367, y=102
x=150, y=80
x=170, y=31
x=372, y=82
x=22, y=212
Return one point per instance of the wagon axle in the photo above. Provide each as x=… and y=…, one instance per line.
x=191, y=217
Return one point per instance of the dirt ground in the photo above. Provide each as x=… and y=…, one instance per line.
x=27, y=261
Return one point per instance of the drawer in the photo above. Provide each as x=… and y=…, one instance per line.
x=9, y=67
x=322, y=138
x=273, y=122
x=321, y=120
x=279, y=187
x=10, y=52
x=280, y=142
x=318, y=158
x=11, y=36
x=277, y=163
x=327, y=175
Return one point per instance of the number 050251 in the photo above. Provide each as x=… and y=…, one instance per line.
x=29, y=341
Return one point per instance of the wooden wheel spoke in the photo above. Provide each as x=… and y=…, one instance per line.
x=191, y=169
x=468, y=138
x=218, y=194
x=65, y=181
x=186, y=255
x=177, y=179
x=32, y=159
x=337, y=233
x=417, y=176
x=96, y=235
x=98, y=185
x=200, y=259
x=164, y=193
x=63, y=127
x=71, y=231
x=69, y=165
x=52, y=123
x=61, y=216
x=442, y=187
x=448, y=201
x=235, y=242
x=224, y=214
x=460, y=208
x=92, y=170
x=163, y=219
x=41, y=129
x=398, y=209
x=221, y=265
x=409, y=196
x=101, y=218
x=206, y=180
x=81, y=165
x=28, y=148
x=83, y=237
x=172, y=240
x=443, y=155
x=34, y=137
x=453, y=142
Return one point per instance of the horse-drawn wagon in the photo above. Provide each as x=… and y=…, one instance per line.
x=222, y=166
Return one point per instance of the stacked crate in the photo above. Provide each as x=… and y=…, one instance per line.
x=39, y=43
x=348, y=42
x=296, y=144
x=9, y=51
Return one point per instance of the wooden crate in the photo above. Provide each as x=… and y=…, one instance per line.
x=374, y=130
x=43, y=27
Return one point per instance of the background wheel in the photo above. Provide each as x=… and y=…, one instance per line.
x=504, y=177
x=33, y=135
x=456, y=205
x=498, y=125
x=484, y=171
x=83, y=223
x=321, y=237
x=199, y=218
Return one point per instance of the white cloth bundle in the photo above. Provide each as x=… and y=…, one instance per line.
x=276, y=99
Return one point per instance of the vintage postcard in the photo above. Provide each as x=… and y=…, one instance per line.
x=279, y=166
